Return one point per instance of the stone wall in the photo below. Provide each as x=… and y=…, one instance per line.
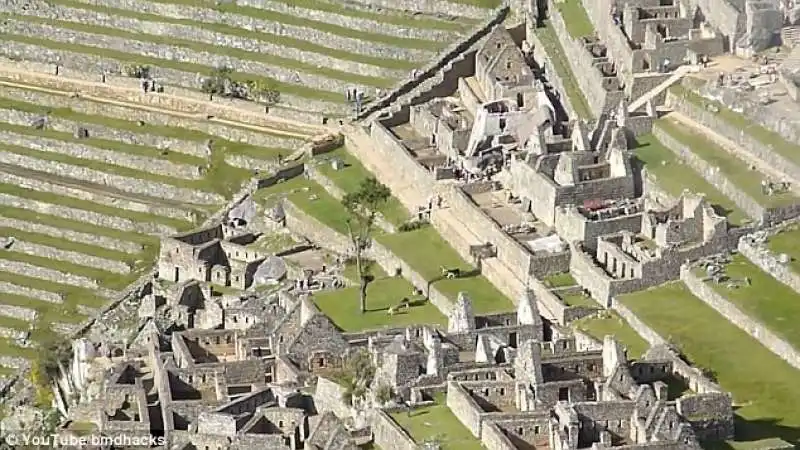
x=710, y=173
x=131, y=185
x=187, y=85
x=205, y=36
x=40, y=185
x=754, y=111
x=543, y=59
x=81, y=259
x=147, y=164
x=407, y=171
x=581, y=62
x=767, y=261
x=742, y=138
x=25, y=291
x=303, y=224
x=432, y=7
x=435, y=72
x=80, y=215
x=175, y=53
x=464, y=408
x=215, y=127
x=388, y=435
x=728, y=310
x=493, y=438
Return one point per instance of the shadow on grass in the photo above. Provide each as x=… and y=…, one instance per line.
x=402, y=310
x=757, y=430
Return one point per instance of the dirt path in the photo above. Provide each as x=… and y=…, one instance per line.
x=734, y=149
x=281, y=126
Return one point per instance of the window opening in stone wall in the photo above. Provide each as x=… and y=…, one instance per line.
x=563, y=394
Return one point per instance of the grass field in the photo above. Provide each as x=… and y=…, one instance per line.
x=426, y=252
x=764, y=386
x=575, y=18
x=731, y=167
x=787, y=241
x=437, y=422
x=673, y=176
x=559, y=280
x=767, y=137
x=611, y=324
x=561, y=66
x=766, y=299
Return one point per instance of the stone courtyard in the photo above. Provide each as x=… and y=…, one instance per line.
x=588, y=240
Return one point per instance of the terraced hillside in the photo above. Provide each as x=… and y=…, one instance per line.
x=87, y=187
x=310, y=51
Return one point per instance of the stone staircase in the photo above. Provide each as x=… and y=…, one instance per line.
x=790, y=36
x=679, y=73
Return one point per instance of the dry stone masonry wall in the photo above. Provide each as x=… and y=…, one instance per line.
x=136, y=162
x=80, y=215
x=433, y=7
x=199, y=14
x=23, y=118
x=122, y=183
x=174, y=53
x=762, y=257
x=18, y=312
x=95, y=197
x=752, y=327
x=74, y=236
x=25, y=291
x=82, y=259
x=196, y=34
x=22, y=268
x=77, y=104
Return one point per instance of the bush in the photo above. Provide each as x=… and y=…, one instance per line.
x=412, y=225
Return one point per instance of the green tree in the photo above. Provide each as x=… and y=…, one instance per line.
x=219, y=81
x=356, y=376
x=362, y=208
x=264, y=91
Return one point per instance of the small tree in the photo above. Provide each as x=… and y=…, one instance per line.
x=264, y=91
x=362, y=208
x=219, y=81
x=356, y=376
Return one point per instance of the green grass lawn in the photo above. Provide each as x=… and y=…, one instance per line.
x=788, y=150
x=578, y=299
x=561, y=66
x=733, y=168
x=787, y=241
x=766, y=299
x=763, y=384
x=349, y=180
x=575, y=18
x=342, y=306
x=559, y=280
x=437, y=422
x=673, y=176
x=426, y=252
x=289, y=19
x=311, y=198
x=611, y=324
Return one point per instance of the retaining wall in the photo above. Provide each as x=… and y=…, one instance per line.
x=25, y=291
x=742, y=138
x=728, y=310
x=70, y=235
x=543, y=59
x=762, y=257
x=388, y=435
x=710, y=173
x=101, y=199
x=44, y=273
x=82, y=259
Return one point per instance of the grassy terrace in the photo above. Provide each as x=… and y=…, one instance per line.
x=229, y=51
x=318, y=25
x=673, y=176
x=577, y=299
x=788, y=241
x=561, y=66
x=437, y=422
x=426, y=252
x=766, y=299
x=283, y=41
x=764, y=385
x=559, y=280
x=575, y=18
x=349, y=179
x=788, y=150
x=611, y=324
x=382, y=293
x=733, y=168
